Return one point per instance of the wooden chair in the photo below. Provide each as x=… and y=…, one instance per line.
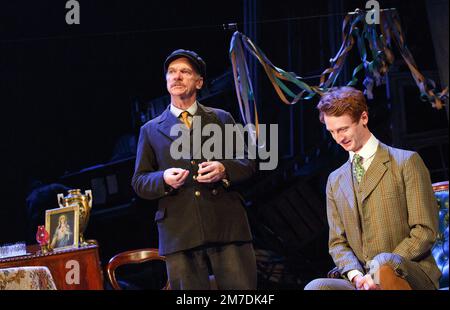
x=136, y=257
x=132, y=257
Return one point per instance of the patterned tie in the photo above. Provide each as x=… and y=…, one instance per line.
x=358, y=169
x=185, y=119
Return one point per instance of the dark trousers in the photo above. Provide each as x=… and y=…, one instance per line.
x=233, y=266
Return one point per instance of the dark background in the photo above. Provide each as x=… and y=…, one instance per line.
x=70, y=97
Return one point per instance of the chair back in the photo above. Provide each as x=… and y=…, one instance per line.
x=131, y=257
x=440, y=248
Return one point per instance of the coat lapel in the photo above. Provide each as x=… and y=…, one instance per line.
x=346, y=185
x=375, y=172
x=207, y=117
x=166, y=121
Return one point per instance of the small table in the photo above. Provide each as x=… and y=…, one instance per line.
x=26, y=278
x=72, y=269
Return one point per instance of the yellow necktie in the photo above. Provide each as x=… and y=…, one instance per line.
x=185, y=119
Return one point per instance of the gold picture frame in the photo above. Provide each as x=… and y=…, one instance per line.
x=63, y=226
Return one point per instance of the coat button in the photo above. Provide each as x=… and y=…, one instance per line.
x=192, y=162
x=197, y=193
x=226, y=183
x=214, y=191
x=194, y=177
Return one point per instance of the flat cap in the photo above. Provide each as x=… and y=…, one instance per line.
x=198, y=63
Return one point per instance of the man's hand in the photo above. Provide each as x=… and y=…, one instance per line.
x=364, y=283
x=210, y=172
x=175, y=177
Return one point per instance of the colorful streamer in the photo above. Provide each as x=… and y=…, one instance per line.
x=354, y=30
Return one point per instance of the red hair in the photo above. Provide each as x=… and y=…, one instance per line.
x=338, y=101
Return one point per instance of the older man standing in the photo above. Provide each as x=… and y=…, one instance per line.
x=202, y=224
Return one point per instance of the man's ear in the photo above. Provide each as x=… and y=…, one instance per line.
x=199, y=83
x=364, y=118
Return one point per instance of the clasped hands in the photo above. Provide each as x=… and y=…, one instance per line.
x=365, y=282
x=208, y=172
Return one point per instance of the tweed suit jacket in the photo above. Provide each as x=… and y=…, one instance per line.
x=398, y=212
x=197, y=213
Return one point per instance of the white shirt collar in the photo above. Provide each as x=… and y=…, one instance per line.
x=368, y=150
x=176, y=111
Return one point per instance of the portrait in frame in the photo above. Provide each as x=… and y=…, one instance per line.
x=62, y=225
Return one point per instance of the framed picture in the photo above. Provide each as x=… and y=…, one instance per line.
x=62, y=225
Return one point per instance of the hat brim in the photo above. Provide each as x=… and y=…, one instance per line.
x=192, y=60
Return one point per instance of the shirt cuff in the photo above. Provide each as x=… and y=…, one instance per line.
x=353, y=273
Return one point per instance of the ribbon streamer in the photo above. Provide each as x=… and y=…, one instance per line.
x=354, y=30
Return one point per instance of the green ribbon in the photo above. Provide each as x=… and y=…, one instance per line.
x=291, y=88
